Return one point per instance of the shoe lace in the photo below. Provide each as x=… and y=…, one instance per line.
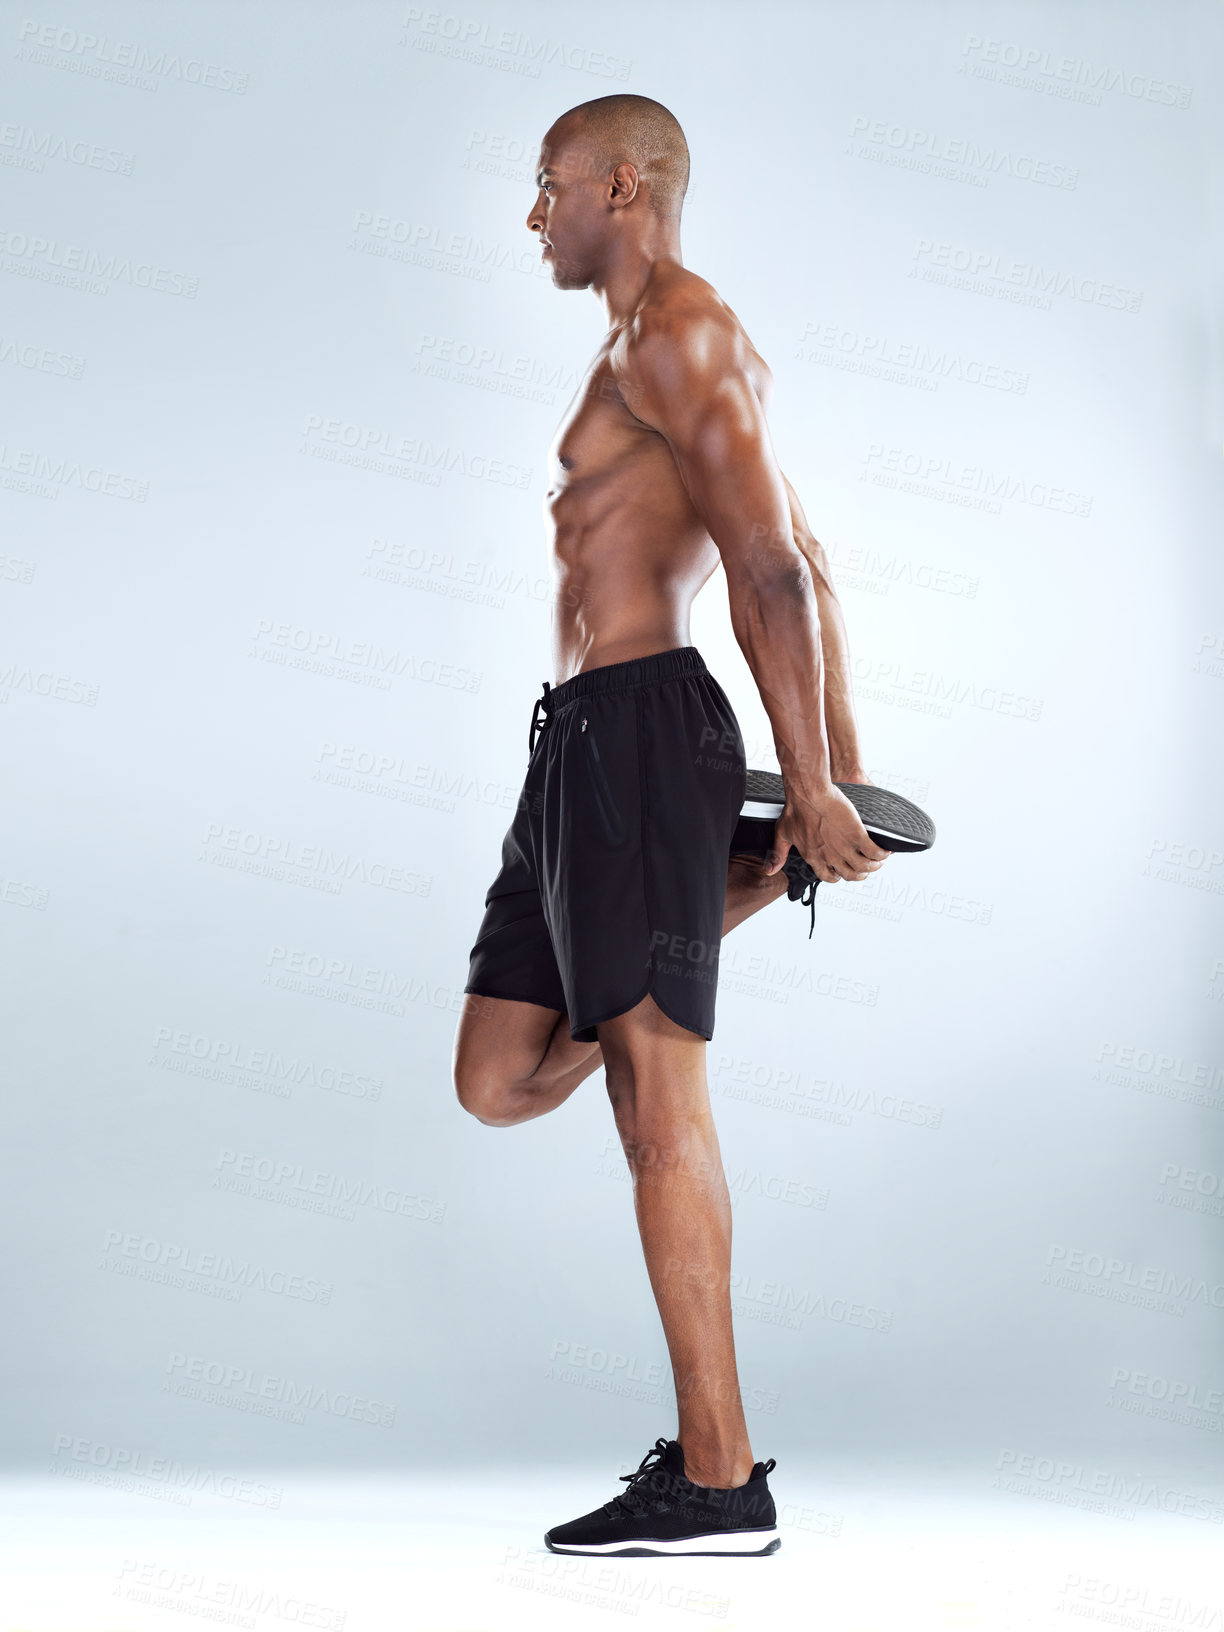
x=802, y=885
x=808, y=898
x=634, y=1497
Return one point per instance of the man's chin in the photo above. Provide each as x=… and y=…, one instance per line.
x=567, y=278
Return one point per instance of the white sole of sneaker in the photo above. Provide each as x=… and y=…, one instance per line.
x=770, y=813
x=765, y=795
x=746, y=1543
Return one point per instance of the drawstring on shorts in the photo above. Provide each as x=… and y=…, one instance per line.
x=540, y=716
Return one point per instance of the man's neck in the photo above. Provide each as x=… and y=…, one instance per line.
x=629, y=269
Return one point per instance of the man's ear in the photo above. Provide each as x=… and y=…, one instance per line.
x=624, y=185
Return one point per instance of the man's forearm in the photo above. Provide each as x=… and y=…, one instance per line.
x=776, y=621
x=841, y=727
x=845, y=754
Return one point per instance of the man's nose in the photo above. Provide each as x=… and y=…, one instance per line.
x=535, y=221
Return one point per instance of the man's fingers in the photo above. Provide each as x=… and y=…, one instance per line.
x=855, y=867
x=870, y=849
x=857, y=860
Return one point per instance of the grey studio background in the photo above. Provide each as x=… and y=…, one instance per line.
x=281, y=372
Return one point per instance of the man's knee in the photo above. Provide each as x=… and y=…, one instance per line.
x=484, y=1092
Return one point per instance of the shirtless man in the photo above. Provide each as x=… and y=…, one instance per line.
x=599, y=944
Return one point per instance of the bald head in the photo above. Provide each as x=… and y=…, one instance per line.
x=638, y=131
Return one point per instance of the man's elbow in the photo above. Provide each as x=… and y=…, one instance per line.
x=772, y=595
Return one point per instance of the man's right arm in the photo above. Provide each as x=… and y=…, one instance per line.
x=692, y=387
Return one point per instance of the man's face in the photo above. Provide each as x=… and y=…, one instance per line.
x=571, y=212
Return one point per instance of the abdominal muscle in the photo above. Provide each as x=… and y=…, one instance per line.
x=629, y=551
x=616, y=601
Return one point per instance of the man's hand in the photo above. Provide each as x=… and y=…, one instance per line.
x=829, y=835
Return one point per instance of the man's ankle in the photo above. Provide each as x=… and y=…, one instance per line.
x=720, y=1473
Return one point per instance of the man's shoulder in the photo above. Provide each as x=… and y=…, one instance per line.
x=680, y=315
x=677, y=301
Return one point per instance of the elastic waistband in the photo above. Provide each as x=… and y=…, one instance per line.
x=677, y=664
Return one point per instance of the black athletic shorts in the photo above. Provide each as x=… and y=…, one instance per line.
x=614, y=870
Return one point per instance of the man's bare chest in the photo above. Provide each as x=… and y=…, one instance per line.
x=598, y=431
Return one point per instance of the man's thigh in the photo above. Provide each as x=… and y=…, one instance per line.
x=501, y=1039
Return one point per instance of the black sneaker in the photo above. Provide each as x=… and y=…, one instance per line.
x=662, y=1512
x=893, y=822
x=754, y=836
